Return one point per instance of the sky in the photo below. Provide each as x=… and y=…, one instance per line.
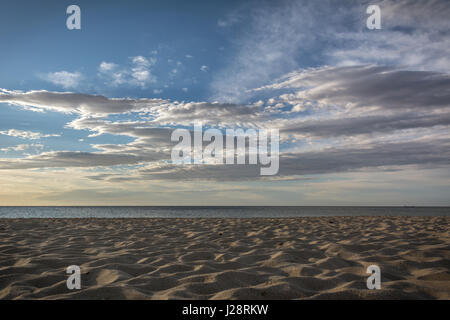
x=86, y=115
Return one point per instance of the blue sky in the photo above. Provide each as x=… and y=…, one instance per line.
x=171, y=32
x=180, y=37
x=363, y=114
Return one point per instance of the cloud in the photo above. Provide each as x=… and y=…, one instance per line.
x=67, y=159
x=209, y=113
x=331, y=119
x=400, y=13
x=366, y=124
x=366, y=86
x=22, y=147
x=110, y=71
x=276, y=38
x=159, y=111
x=229, y=20
x=68, y=102
x=381, y=156
x=154, y=136
x=358, y=100
x=65, y=79
x=422, y=152
x=27, y=134
x=138, y=73
x=414, y=35
x=339, y=101
x=107, y=66
x=293, y=34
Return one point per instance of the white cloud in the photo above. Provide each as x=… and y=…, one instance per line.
x=27, y=134
x=64, y=79
x=137, y=74
x=107, y=66
x=140, y=72
x=22, y=147
x=141, y=61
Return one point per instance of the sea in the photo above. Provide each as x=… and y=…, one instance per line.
x=215, y=212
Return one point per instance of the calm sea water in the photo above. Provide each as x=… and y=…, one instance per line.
x=215, y=212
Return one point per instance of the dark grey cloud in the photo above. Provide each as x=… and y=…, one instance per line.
x=66, y=159
x=425, y=154
x=430, y=153
x=367, y=124
x=430, y=14
x=368, y=86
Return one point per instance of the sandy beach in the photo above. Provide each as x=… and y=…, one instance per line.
x=259, y=258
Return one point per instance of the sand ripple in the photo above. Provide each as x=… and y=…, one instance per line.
x=292, y=258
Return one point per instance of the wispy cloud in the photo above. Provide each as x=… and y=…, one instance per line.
x=26, y=134
x=229, y=20
x=23, y=147
x=273, y=42
x=280, y=38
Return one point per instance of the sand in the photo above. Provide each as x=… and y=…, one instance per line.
x=282, y=258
